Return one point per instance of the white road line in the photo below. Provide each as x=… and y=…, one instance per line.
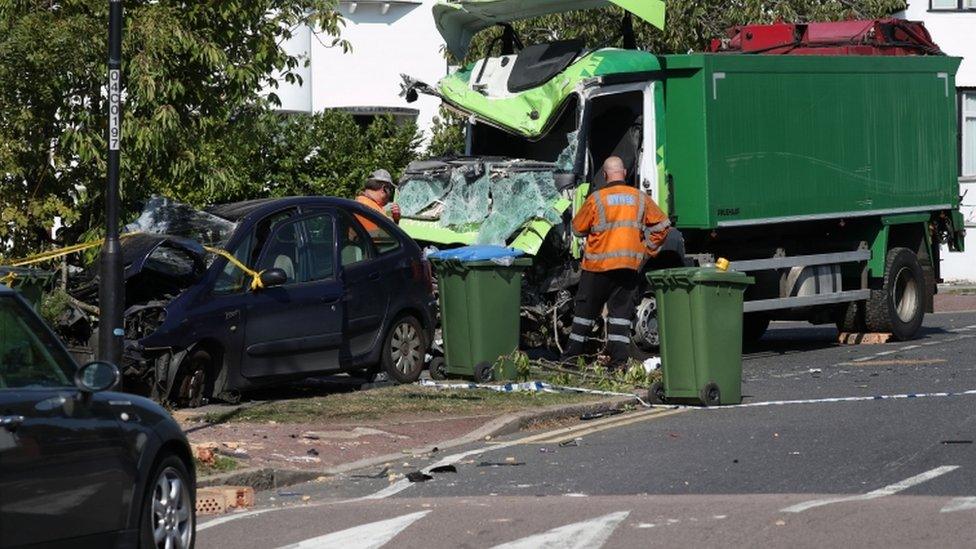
x=365, y=536
x=581, y=535
x=879, y=493
x=960, y=504
x=909, y=348
x=230, y=518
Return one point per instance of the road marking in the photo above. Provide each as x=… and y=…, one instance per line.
x=960, y=504
x=913, y=347
x=365, y=536
x=581, y=535
x=577, y=431
x=896, y=362
x=879, y=493
x=229, y=518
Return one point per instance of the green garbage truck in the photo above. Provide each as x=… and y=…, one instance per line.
x=821, y=159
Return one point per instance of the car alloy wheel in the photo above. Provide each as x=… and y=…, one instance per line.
x=407, y=348
x=172, y=517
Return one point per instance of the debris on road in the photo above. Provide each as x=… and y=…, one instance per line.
x=204, y=452
x=381, y=474
x=417, y=476
x=501, y=464
x=598, y=415
x=849, y=338
x=217, y=500
x=957, y=442
x=444, y=469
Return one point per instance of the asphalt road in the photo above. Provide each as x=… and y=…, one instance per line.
x=793, y=466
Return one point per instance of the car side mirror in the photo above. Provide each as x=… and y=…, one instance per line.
x=97, y=376
x=273, y=277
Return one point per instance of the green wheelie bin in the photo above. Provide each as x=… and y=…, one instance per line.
x=28, y=282
x=700, y=327
x=480, y=299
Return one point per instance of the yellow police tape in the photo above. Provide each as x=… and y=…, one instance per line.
x=9, y=278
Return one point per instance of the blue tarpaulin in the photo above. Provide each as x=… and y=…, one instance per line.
x=477, y=253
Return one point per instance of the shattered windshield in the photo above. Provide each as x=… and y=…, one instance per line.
x=165, y=216
x=492, y=197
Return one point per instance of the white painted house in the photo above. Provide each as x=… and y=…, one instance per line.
x=388, y=37
x=952, y=24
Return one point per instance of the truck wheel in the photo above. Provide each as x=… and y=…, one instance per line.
x=850, y=318
x=899, y=306
x=754, y=326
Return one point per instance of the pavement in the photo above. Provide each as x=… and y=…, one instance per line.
x=866, y=445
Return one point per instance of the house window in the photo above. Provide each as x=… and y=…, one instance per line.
x=952, y=5
x=969, y=133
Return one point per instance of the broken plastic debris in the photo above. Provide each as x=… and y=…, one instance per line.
x=417, y=476
x=574, y=442
x=381, y=474
x=652, y=364
x=444, y=469
x=501, y=464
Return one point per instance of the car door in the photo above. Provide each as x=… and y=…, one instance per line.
x=366, y=296
x=296, y=328
x=64, y=471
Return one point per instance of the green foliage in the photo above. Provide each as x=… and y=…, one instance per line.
x=447, y=135
x=189, y=69
x=53, y=305
x=691, y=25
x=277, y=154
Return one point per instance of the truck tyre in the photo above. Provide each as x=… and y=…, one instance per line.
x=754, y=326
x=850, y=318
x=899, y=306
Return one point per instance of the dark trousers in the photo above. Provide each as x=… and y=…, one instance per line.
x=617, y=290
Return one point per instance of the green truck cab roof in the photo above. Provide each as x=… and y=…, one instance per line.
x=459, y=20
x=528, y=113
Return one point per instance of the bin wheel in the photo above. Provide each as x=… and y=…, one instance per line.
x=710, y=395
x=656, y=394
x=438, y=368
x=484, y=372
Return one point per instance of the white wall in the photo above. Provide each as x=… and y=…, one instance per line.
x=388, y=38
x=955, y=33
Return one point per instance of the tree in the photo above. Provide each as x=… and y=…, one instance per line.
x=327, y=153
x=189, y=70
x=691, y=25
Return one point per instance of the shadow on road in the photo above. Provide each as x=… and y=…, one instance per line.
x=795, y=338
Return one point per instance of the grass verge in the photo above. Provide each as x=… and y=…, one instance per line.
x=400, y=400
x=221, y=464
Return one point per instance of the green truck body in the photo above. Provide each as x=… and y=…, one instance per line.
x=832, y=180
x=755, y=139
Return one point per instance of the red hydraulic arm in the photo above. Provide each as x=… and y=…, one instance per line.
x=870, y=37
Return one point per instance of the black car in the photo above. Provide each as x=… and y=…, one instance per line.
x=332, y=297
x=80, y=465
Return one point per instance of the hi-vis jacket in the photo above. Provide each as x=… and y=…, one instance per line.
x=622, y=226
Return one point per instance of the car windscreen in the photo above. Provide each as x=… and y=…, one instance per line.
x=30, y=357
x=164, y=216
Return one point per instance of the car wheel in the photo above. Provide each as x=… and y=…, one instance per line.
x=404, y=350
x=194, y=384
x=899, y=306
x=168, y=508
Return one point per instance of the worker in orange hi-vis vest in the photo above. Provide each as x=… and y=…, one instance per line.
x=376, y=194
x=623, y=227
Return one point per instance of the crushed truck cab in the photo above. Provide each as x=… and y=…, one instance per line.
x=819, y=158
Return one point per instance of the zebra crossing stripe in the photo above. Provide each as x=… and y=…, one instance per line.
x=580, y=535
x=889, y=490
x=365, y=536
x=960, y=504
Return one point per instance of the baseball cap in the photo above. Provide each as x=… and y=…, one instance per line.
x=381, y=176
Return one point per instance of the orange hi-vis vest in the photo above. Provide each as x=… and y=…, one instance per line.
x=369, y=203
x=622, y=226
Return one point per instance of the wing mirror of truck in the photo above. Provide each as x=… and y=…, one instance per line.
x=273, y=277
x=97, y=376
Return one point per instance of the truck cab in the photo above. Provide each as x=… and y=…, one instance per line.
x=788, y=150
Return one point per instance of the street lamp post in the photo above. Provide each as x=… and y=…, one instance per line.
x=111, y=292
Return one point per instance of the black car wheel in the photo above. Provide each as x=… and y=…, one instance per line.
x=168, y=510
x=404, y=350
x=194, y=384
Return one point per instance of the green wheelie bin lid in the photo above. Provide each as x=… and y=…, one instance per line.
x=684, y=276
